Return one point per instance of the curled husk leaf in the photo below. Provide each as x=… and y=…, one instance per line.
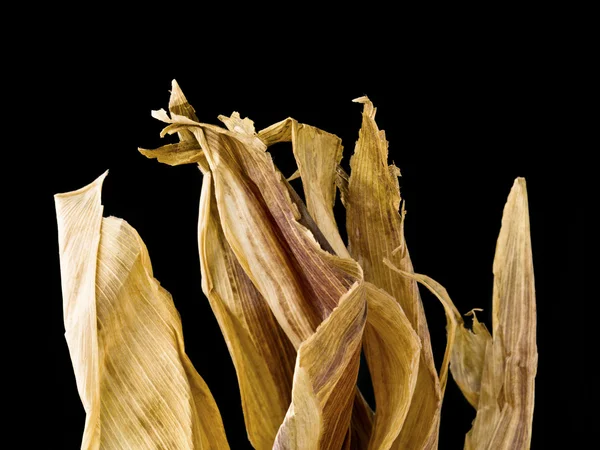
x=138, y=387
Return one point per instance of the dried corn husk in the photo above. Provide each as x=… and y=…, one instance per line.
x=375, y=232
x=295, y=305
x=506, y=400
x=238, y=154
x=137, y=385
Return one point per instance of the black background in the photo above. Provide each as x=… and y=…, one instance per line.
x=464, y=116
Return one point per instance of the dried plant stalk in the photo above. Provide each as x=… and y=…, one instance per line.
x=137, y=385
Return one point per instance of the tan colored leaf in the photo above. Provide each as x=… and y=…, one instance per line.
x=301, y=282
x=467, y=359
x=317, y=154
x=505, y=408
x=137, y=385
x=184, y=152
x=263, y=356
x=324, y=379
x=392, y=349
x=375, y=230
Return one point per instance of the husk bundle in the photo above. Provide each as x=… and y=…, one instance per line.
x=295, y=305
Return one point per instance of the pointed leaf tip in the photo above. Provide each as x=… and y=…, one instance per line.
x=97, y=183
x=363, y=99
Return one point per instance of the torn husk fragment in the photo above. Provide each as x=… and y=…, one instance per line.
x=137, y=385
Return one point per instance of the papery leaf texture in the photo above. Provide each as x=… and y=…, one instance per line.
x=138, y=387
x=296, y=305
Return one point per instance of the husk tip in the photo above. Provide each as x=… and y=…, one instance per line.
x=363, y=99
x=97, y=183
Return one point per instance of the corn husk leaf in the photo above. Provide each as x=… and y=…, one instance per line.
x=302, y=291
x=506, y=401
x=375, y=230
x=317, y=154
x=392, y=349
x=263, y=356
x=137, y=385
x=325, y=379
x=391, y=346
